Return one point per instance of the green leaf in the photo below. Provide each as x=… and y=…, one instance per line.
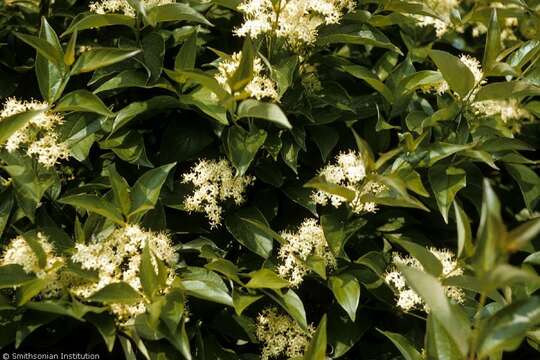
x=451, y=317
x=95, y=204
x=353, y=35
x=338, y=230
x=243, y=301
x=266, y=279
x=6, y=204
x=43, y=48
x=316, y=349
x=146, y=190
x=242, y=146
x=244, y=72
x=9, y=125
x=407, y=350
x=13, y=275
x=429, y=262
x=500, y=90
x=493, y=42
x=82, y=100
x=491, y=237
x=291, y=303
x=29, y=290
x=33, y=242
x=373, y=80
x=520, y=236
x=465, y=246
x=261, y=110
x=202, y=78
x=248, y=234
x=173, y=309
x=147, y=274
x=325, y=137
x=158, y=103
x=346, y=289
x=438, y=151
x=445, y=182
x=29, y=181
x=185, y=60
x=153, y=47
x=116, y=293
x=174, y=12
x=101, y=57
x=206, y=285
x=457, y=75
x=438, y=344
x=69, y=56
x=121, y=190
x=320, y=183
x=95, y=21
x=506, y=328
x=528, y=182
x=105, y=325
x=134, y=78
x=51, y=78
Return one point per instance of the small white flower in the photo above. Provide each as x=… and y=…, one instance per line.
x=406, y=298
x=349, y=170
x=39, y=136
x=281, y=335
x=296, y=21
x=214, y=182
x=260, y=87
x=20, y=253
x=117, y=258
x=307, y=240
x=122, y=6
x=510, y=112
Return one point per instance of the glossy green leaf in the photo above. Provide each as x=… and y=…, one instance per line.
x=95, y=21
x=116, y=293
x=242, y=146
x=146, y=190
x=457, y=75
x=252, y=108
x=95, y=204
x=451, y=317
x=407, y=350
x=445, y=182
x=266, y=278
x=346, y=289
x=316, y=349
x=505, y=329
x=82, y=100
x=247, y=233
x=100, y=57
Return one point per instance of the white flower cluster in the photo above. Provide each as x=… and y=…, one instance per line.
x=349, y=171
x=281, y=335
x=443, y=9
x=474, y=66
x=307, y=241
x=117, y=258
x=296, y=21
x=214, y=182
x=38, y=136
x=260, y=87
x=407, y=298
x=19, y=252
x=510, y=111
x=123, y=7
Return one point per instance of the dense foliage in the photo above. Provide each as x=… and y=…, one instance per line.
x=270, y=179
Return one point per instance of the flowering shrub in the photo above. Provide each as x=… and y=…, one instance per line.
x=270, y=179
